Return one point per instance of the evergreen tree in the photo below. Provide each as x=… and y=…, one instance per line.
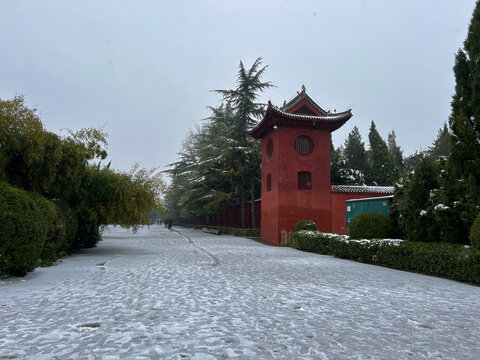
x=243, y=99
x=355, y=154
x=336, y=164
x=441, y=145
x=410, y=161
x=382, y=167
x=244, y=150
x=395, y=150
x=464, y=161
x=219, y=163
x=413, y=200
x=190, y=192
x=340, y=173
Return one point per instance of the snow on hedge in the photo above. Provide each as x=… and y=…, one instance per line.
x=347, y=239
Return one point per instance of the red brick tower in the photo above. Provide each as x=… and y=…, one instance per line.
x=296, y=165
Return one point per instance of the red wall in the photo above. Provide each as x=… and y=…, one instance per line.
x=269, y=198
x=271, y=223
x=227, y=217
x=285, y=205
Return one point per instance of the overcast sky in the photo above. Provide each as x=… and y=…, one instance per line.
x=144, y=69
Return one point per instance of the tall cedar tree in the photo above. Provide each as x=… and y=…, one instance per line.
x=219, y=163
x=382, y=168
x=354, y=153
x=464, y=161
x=246, y=113
x=395, y=150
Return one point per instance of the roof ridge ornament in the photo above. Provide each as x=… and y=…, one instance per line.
x=303, y=89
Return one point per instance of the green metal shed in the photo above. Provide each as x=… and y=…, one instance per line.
x=355, y=207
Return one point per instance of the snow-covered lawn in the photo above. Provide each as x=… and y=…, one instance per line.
x=160, y=295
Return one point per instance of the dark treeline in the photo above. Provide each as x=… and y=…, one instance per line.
x=56, y=193
x=382, y=163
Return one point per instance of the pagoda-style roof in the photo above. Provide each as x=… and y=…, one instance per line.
x=289, y=105
x=300, y=111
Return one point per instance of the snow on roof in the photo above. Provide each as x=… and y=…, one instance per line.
x=363, y=189
x=274, y=116
x=372, y=198
x=327, y=116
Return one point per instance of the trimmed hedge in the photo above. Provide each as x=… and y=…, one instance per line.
x=227, y=230
x=452, y=261
x=370, y=225
x=305, y=224
x=23, y=231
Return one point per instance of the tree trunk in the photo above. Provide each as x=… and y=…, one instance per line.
x=235, y=216
x=242, y=201
x=252, y=197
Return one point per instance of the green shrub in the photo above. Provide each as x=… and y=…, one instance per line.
x=54, y=229
x=62, y=224
x=88, y=234
x=305, y=224
x=22, y=231
x=370, y=225
x=71, y=223
x=475, y=233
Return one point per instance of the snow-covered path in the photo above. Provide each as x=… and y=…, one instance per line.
x=160, y=295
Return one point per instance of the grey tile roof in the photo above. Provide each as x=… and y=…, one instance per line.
x=363, y=189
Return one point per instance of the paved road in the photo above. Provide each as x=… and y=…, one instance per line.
x=184, y=294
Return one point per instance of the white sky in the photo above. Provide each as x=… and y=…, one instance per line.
x=144, y=69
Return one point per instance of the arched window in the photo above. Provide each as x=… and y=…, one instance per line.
x=303, y=145
x=304, y=180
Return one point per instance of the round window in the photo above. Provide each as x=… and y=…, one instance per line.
x=270, y=148
x=303, y=145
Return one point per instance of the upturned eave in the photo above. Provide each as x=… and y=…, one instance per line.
x=274, y=116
